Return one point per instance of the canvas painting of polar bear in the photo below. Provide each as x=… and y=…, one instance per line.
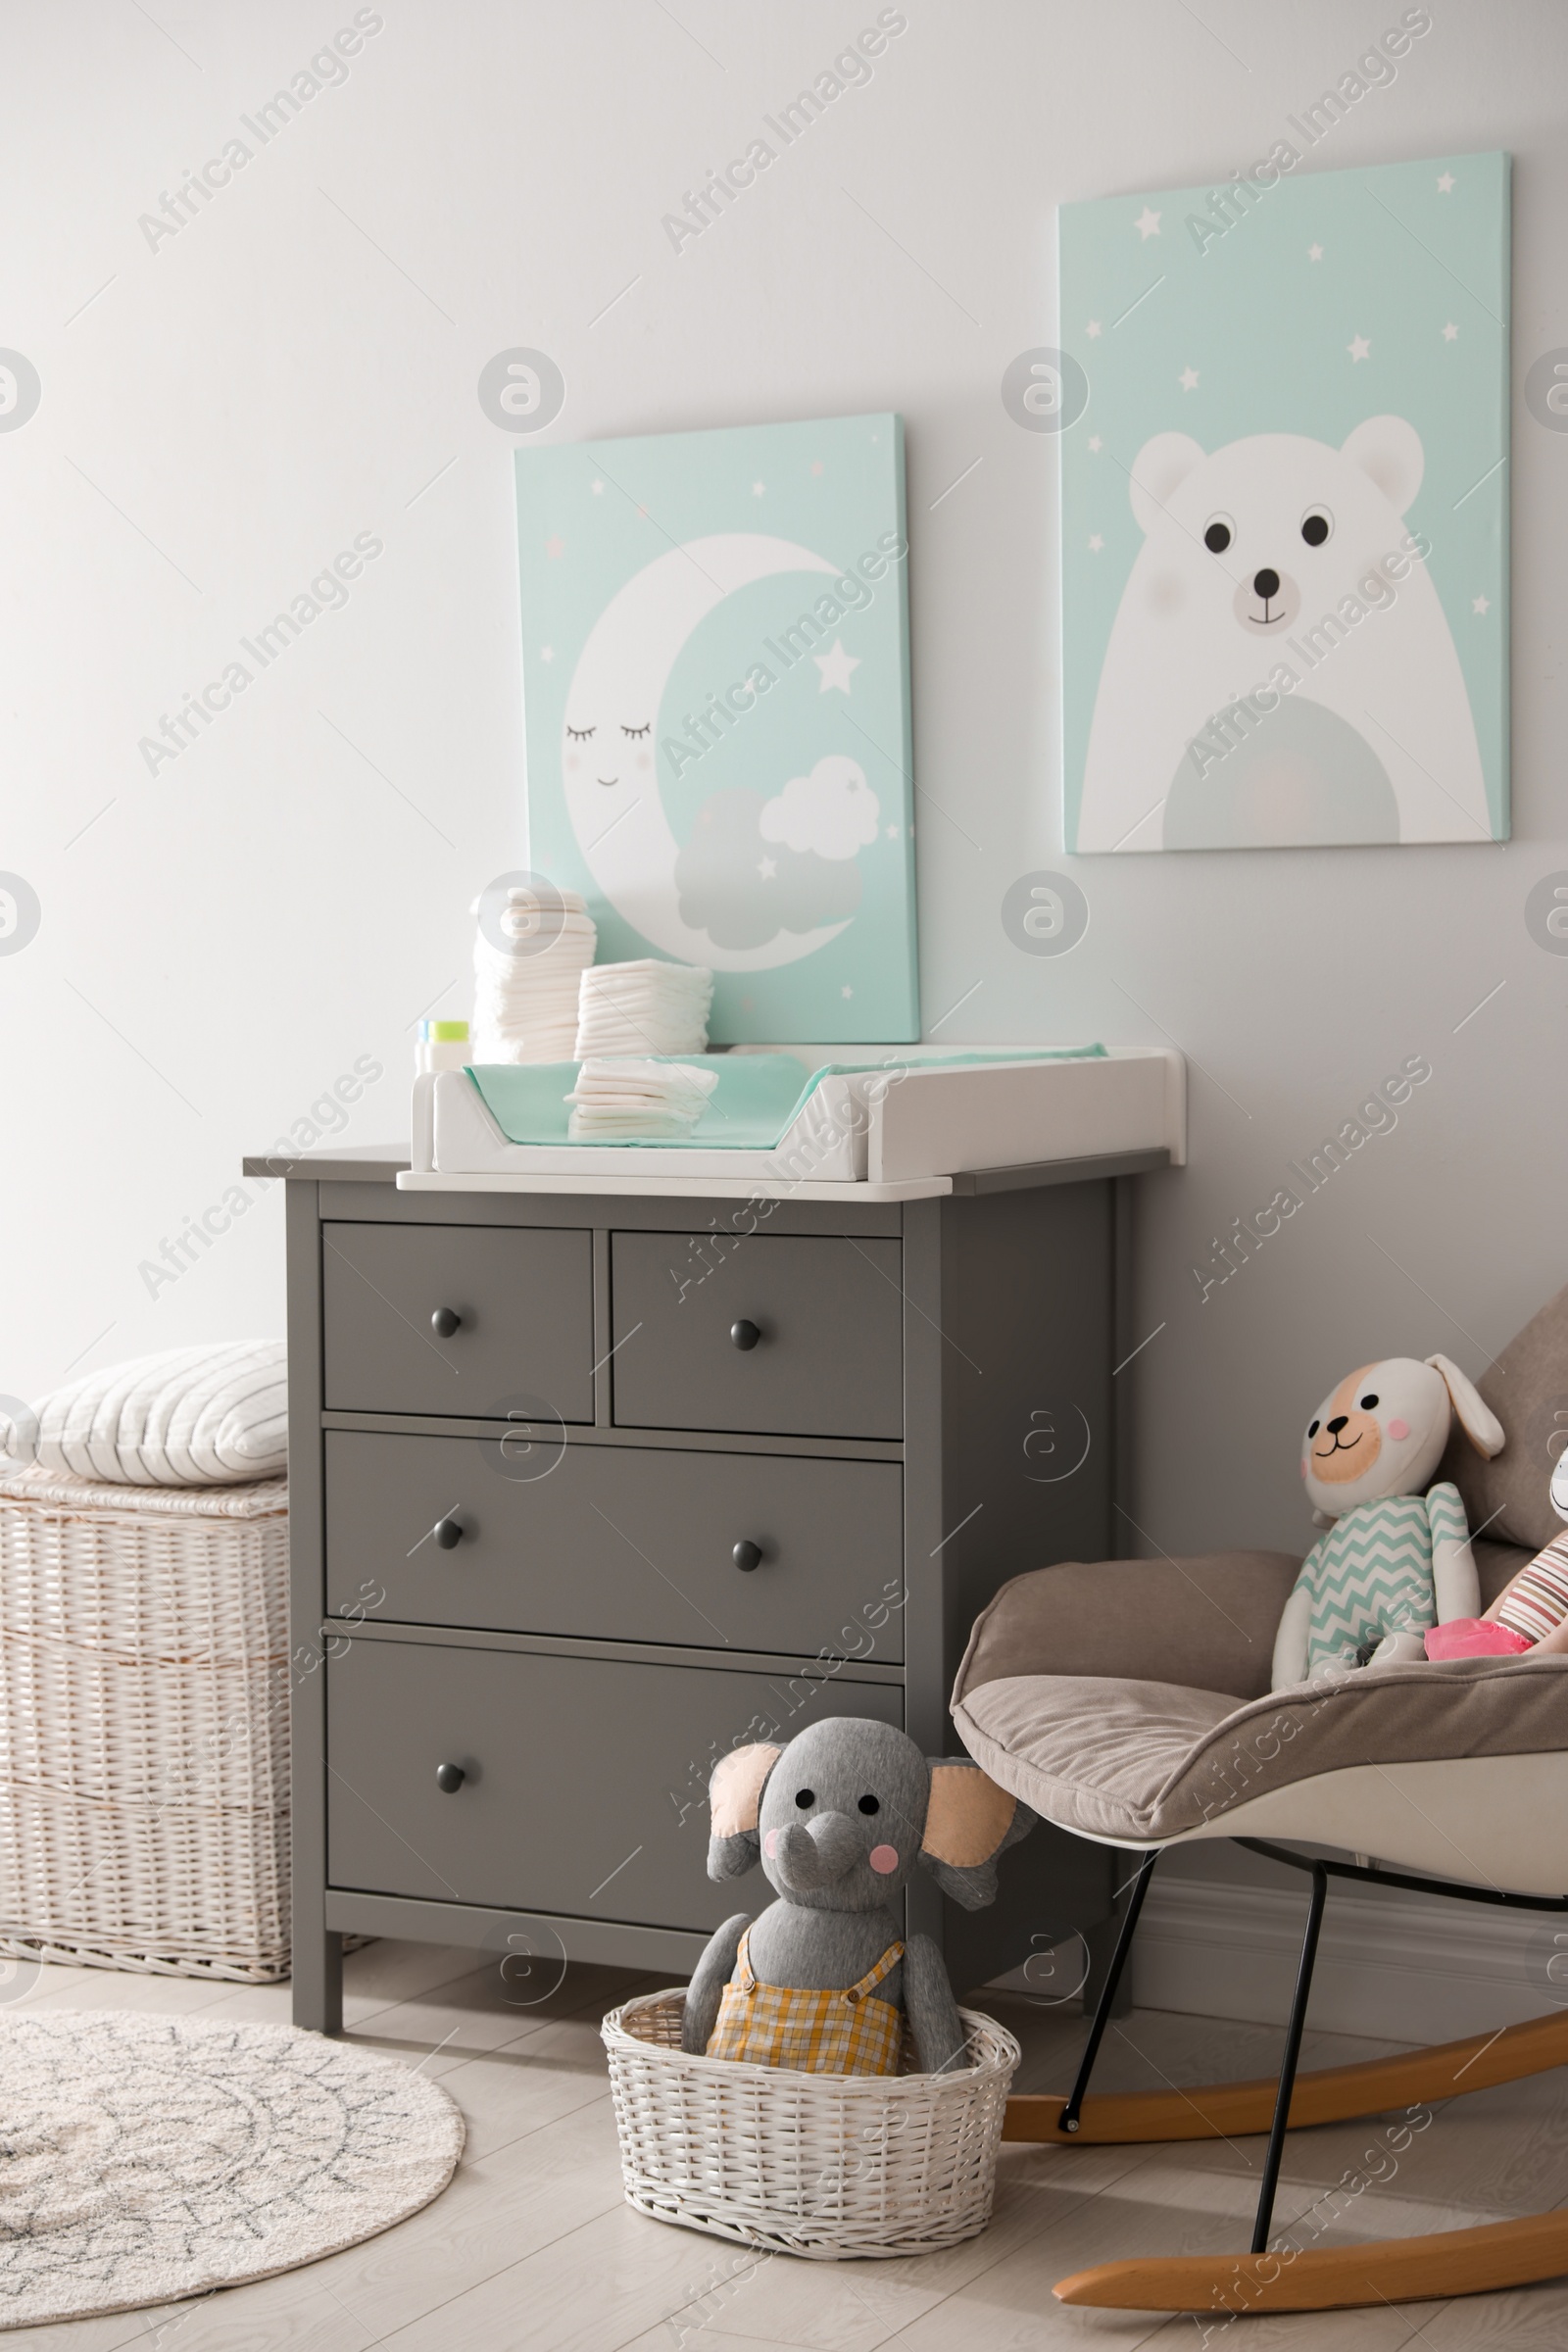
x=1284, y=601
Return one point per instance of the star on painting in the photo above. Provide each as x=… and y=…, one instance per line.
x=598, y=489
x=769, y=868
x=1314, y=253
x=836, y=667
x=816, y=465
x=1096, y=544
x=1146, y=225
x=1479, y=604
x=547, y=653
x=759, y=489
x=1359, y=348
x=1445, y=185
x=1450, y=332
x=555, y=546
x=1095, y=444
x=846, y=990
x=1093, y=330
x=892, y=832
x=1188, y=379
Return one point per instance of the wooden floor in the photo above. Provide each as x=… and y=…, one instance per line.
x=532, y=2245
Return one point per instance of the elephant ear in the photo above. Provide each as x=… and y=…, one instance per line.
x=968, y=1822
x=734, y=1801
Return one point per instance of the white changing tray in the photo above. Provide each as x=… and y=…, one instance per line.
x=889, y=1130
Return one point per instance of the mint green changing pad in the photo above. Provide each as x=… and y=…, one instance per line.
x=756, y=1099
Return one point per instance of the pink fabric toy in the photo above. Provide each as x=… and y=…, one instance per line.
x=1474, y=1637
x=1532, y=1609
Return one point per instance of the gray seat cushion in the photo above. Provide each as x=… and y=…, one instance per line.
x=1144, y=1761
x=1208, y=1622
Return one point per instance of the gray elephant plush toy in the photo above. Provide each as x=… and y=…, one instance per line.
x=822, y=1981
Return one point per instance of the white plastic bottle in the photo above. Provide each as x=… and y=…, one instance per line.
x=442, y=1045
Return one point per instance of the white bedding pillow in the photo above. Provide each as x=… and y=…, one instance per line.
x=187, y=1417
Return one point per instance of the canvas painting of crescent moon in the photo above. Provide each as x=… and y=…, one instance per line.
x=716, y=702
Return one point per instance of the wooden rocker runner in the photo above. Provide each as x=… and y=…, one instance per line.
x=1454, y=2262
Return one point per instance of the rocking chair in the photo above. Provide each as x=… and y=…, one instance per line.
x=1128, y=1704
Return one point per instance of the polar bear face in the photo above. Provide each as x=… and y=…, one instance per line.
x=1279, y=672
x=1240, y=542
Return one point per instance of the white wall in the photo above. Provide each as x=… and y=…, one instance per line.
x=226, y=938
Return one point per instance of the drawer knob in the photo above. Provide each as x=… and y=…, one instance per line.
x=445, y=1321
x=448, y=1534
x=448, y=1778
x=746, y=1557
x=744, y=1335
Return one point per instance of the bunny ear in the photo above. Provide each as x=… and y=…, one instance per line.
x=1476, y=1417
x=734, y=1800
x=967, y=1822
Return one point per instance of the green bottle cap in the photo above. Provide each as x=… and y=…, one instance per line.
x=444, y=1033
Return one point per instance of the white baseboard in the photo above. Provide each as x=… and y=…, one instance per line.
x=1400, y=1967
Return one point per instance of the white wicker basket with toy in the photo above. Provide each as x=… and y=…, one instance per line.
x=816, y=2089
x=828, y=2166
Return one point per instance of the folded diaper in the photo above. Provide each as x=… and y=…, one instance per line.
x=527, y=963
x=648, y=1007
x=633, y=1096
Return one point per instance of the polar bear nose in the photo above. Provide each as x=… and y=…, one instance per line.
x=1267, y=583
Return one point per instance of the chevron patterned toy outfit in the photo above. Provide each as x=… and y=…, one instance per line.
x=1371, y=1574
x=1396, y=1561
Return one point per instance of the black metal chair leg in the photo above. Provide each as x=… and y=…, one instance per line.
x=1108, y=1994
x=1293, y=2051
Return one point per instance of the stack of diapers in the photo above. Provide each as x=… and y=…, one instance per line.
x=624, y=1101
x=530, y=954
x=186, y=1417
x=644, y=1008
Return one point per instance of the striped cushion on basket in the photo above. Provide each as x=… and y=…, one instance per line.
x=187, y=1417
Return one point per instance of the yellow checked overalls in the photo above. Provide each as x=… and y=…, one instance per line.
x=812, y=2032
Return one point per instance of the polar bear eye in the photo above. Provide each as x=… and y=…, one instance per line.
x=1316, y=526
x=1219, y=534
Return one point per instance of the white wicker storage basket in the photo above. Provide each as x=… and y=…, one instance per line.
x=827, y=2166
x=144, y=1816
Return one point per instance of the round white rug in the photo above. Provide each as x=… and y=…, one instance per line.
x=146, y=2159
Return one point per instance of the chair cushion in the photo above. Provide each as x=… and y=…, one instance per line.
x=1207, y=1621
x=1146, y=1761
x=1527, y=1388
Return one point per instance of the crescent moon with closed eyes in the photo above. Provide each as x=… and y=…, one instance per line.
x=608, y=762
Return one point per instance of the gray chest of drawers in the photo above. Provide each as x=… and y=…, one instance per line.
x=585, y=1490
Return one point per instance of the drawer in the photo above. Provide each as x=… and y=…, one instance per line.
x=583, y=1780
x=633, y=1545
x=827, y=1359
x=525, y=1338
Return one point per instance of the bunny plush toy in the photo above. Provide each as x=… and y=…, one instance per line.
x=1396, y=1558
x=824, y=1982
